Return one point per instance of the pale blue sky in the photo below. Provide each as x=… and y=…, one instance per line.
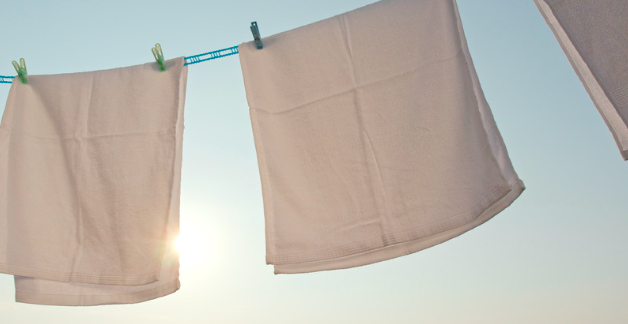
x=557, y=255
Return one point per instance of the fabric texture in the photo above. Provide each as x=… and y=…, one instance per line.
x=90, y=172
x=593, y=35
x=373, y=137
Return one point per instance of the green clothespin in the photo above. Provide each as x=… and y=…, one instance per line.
x=159, y=56
x=21, y=70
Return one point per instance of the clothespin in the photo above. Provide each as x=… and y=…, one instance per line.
x=21, y=70
x=159, y=56
x=256, y=35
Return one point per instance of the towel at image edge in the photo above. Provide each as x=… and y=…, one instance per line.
x=90, y=169
x=593, y=36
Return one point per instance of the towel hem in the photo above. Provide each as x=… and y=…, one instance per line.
x=267, y=191
x=397, y=250
x=93, y=300
x=81, y=278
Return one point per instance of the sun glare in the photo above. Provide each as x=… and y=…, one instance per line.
x=192, y=246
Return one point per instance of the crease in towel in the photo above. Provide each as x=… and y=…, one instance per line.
x=353, y=88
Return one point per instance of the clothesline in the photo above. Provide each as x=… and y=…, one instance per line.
x=21, y=68
x=188, y=59
x=211, y=55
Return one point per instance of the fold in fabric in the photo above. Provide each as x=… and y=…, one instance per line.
x=373, y=137
x=90, y=172
x=593, y=35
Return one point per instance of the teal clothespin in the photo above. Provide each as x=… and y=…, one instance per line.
x=159, y=56
x=256, y=35
x=21, y=70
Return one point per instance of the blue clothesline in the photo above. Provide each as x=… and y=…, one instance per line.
x=6, y=79
x=188, y=59
x=211, y=55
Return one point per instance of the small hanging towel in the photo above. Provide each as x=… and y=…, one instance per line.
x=373, y=137
x=593, y=35
x=90, y=172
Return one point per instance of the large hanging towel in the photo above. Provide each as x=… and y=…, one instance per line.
x=373, y=137
x=90, y=169
x=593, y=34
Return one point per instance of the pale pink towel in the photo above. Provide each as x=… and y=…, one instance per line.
x=593, y=35
x=90, y=169
x=373, y=136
